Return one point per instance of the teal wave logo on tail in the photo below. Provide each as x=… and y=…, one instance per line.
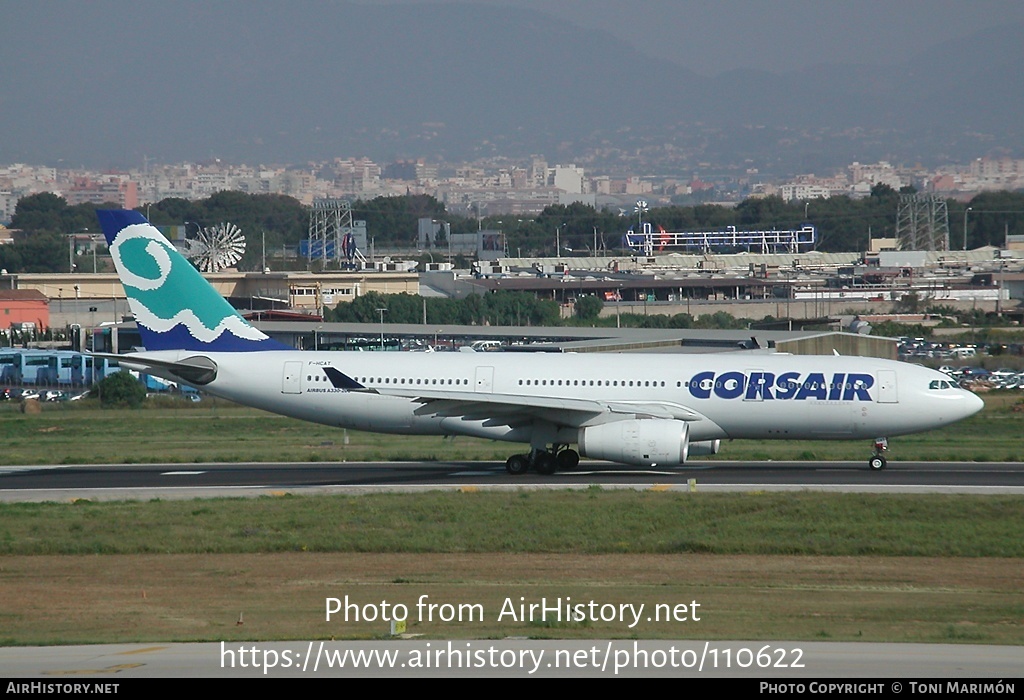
x=174, y=307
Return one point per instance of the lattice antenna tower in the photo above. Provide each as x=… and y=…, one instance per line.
x=329, y=221
x=922, y=222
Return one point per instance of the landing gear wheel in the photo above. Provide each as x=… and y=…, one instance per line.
x=545, y=463
x=517, y=465
x=568, y=460
x=877, y=461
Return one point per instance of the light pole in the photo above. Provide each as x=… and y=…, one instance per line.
x=381, y=312
x=965, y=226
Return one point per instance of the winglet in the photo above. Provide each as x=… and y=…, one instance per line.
x=174, y=307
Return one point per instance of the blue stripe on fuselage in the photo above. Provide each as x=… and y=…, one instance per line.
x=789, y=385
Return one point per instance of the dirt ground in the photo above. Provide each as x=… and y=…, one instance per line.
x=151, y=598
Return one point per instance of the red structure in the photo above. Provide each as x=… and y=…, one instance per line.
x=23, y=306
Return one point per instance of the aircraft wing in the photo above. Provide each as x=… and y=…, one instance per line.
x=516, y=409
x=511, y=409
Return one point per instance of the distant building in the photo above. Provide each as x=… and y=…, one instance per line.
x=568, y=178
x=20, y=307
x=411, y=170
x=109, y=188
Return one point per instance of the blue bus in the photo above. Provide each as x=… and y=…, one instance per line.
x=53, y=367
x=39, y=367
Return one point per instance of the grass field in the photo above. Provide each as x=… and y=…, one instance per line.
x=216, y=431
x=186, y=597
x=761, y=565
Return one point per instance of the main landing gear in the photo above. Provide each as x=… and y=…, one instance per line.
x=877, y=461
x=543, y=461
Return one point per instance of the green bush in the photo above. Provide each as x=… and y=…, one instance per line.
x=120, y=390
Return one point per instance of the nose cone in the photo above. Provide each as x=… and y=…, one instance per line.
x=972, y=404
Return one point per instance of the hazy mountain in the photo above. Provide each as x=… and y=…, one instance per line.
x=106, y=83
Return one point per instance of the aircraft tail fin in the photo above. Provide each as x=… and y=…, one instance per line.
x=174, y=306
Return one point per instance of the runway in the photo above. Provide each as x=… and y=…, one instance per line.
x=119, y=482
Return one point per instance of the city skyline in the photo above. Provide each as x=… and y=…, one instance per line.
x=485, y=189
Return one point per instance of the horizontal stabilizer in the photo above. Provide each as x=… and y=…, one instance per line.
x=196, y=370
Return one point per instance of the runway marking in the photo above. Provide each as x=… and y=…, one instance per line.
x=182, y=473
x=92, y=671
x=144, y=650
x=621, y=472
x=31, y=468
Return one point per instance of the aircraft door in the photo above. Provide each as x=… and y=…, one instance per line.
x=887, y=392
x=484, y=380
x=290, y=381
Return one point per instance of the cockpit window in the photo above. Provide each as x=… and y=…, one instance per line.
x=940, y=384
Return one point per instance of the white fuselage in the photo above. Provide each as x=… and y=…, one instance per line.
x=726, y=395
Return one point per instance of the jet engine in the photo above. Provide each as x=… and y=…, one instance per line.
x=705, y=448
x=646, y=443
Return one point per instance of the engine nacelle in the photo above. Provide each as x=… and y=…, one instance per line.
x=705, y=448
x=646, y=443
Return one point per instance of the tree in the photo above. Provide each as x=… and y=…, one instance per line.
x=39, y=212
x=120, y=390
x=765, y=211
x=993, y=216
x=46, y=212
x=880, y=190
x=588, y=307
x=393, y=220
x=41, y=252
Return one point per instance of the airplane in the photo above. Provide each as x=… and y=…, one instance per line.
x=651, y=410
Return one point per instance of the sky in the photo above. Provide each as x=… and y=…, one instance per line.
x=712, y=36
x=117, y=81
